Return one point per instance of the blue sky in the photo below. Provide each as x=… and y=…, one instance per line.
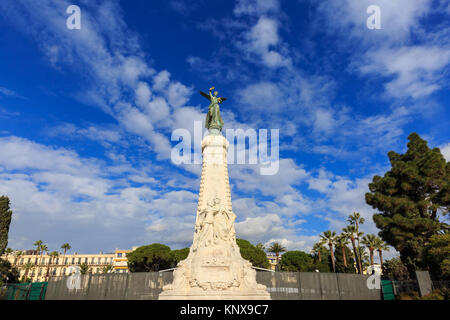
x=86, y=115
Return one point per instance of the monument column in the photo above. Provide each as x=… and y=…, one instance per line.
x=214, y=268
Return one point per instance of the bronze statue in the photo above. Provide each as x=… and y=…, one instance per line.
x=213, y=118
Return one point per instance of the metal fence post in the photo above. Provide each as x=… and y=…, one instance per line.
x=338, y=286
x=88, y=285
x=300, y=294
x=126, y=287
x=320, y=286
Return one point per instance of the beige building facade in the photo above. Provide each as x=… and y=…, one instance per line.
x=39, y=268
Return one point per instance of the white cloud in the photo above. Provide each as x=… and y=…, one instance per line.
x=417, y=70
x=263, y=37
x=256, y=7
x=398, y=18
x=56, y=194
x=445, y=150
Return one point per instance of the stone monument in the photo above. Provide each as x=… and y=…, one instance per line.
x=214, y=268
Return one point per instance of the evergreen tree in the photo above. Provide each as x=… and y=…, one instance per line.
x=252, y=253
x=340, y=266
x=5, y=221
x=410, y=198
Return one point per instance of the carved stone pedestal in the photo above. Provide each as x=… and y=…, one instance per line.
x=214, y=268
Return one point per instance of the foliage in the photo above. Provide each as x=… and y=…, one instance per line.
x=255, y=255
x=394, y=269
x=5, y=221
x=8, y=273
x=340, y=267
x=329, y=237
x=153, y=257
x=107, y=269
x=438, y=294
x=296, y=261
x=84, y=268
x=437, y=256
x=180, y=254
x=410, y=197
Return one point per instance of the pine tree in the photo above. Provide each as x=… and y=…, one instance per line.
x=5, y=221
x=410, y=198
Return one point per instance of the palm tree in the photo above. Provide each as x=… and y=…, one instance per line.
x=317, y=249
x=342, y=241
x=42, y=249
x=53, y=255
x=329, y=237
x=276, y=248
x=84, y=268
x=65, y=247
x=370, y=241
x=381, y=246
x=356, y=220
x=18, y=254
x=38, y=245
x=351, y=232
x=107, y=269
x=28, y=266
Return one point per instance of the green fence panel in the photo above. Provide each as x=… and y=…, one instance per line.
x=387, y=289
x=26, y=291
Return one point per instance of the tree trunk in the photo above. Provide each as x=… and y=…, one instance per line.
x=345, y=257
x=320, y=260
x=371, y=255
x=381, y=258
x=332, y=257
x=358, y=266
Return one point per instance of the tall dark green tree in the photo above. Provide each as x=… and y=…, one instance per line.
x=5, y=221
x=252, y=253
x=410, y=198
x=349, y=266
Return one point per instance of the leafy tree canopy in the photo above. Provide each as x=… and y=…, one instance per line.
x=180, y=254
x=255, y=255
x=437, y=256
x=410, y=197
x=153, y=257
x=296, y=261
x=8, y=273
x=394, y=269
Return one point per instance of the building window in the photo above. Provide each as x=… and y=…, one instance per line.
x=73, y=260
x=92, y=260
x=119, y=255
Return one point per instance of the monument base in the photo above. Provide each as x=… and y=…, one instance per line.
x=214, y=296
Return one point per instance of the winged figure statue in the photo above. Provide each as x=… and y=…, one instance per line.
x=213, y=118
